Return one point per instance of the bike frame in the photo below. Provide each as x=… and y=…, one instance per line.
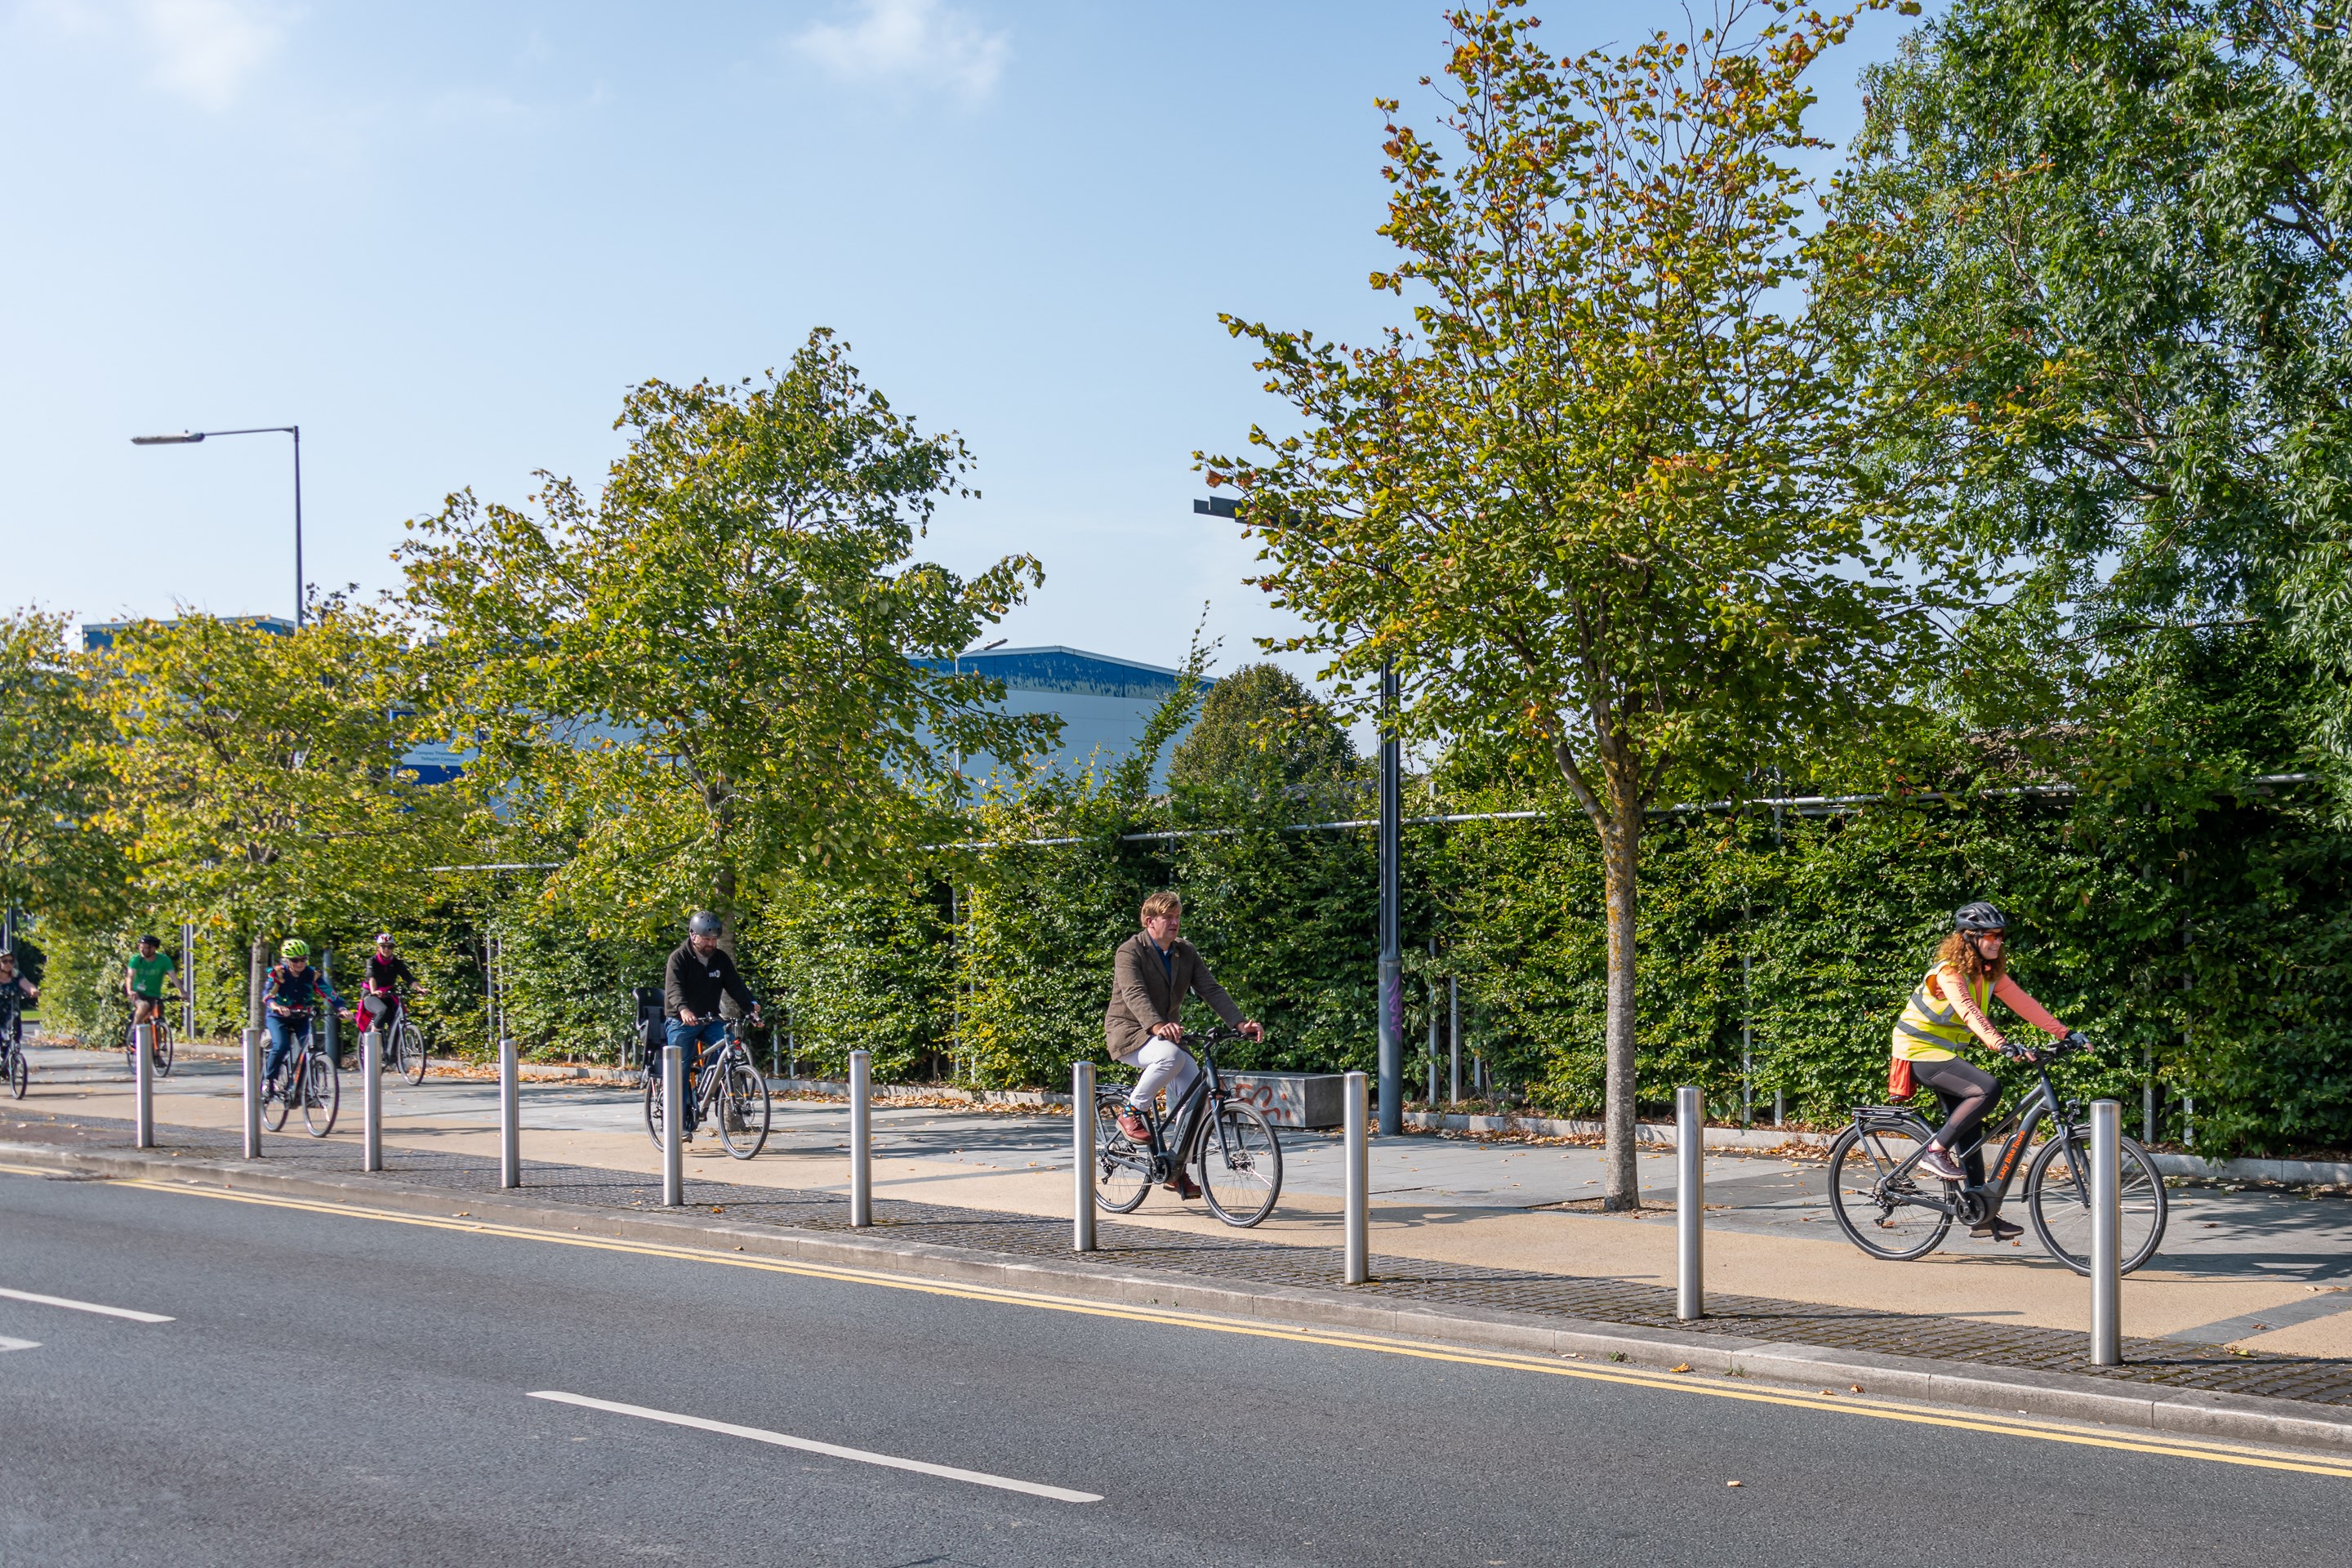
x=2040, y=1103
x=1188, y=1117
x=313, y=1038
x=704, y=1084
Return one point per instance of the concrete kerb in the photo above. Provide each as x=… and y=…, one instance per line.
x=2189, y=1413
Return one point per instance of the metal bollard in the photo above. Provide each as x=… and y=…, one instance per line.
x=2106, y=1238
x=1082, y=1154
x=143, y=1078
x=673, y=1088
x=509, y=1117
x=861, y=1138
x=1355, y=1268
x=372, y=1099
x=253, y=1094
x=1690, y=1203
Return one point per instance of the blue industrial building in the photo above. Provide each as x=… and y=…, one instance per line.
x=1104, y=703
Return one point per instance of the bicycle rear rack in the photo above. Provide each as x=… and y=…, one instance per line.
x=1886, y=1118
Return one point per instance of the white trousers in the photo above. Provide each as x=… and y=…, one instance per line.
x=1166, y=1065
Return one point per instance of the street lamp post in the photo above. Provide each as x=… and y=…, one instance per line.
x=189, y=437
x=1392, y=1062
x=1391, y=855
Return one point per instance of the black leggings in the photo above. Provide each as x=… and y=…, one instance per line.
x=1968, y=1093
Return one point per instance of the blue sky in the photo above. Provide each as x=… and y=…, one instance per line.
x=445, y=239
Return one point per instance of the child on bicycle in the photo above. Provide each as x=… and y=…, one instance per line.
x=289, y=994
x=1945, y=1016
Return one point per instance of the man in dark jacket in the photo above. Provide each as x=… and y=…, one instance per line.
x=698, y=975
x=1152, y=973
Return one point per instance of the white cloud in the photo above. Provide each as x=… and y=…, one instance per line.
x=918, y=43
x=206, y=51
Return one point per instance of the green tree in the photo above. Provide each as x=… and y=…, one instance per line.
x=1604, y=505
x=258, y=785
x=711, y=673
x=2117, y=234
x=1262, y=730
x=55, y=859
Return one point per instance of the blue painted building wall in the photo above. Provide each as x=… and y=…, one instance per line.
x=1104, y=702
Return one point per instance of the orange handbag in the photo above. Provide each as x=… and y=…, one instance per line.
x=1901, y=1084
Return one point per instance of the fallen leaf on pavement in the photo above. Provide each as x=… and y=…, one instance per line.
x=1683, y=1367
x=1731, y=1483
x=1855, y=1386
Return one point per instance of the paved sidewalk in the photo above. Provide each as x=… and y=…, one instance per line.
x=435, y=1137
x=2259, y=1270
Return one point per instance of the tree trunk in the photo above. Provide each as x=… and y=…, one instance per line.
x=1620, y=855
x=722, y=904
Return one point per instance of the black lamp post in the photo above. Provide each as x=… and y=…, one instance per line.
x=1391, y=855
x=189, y=437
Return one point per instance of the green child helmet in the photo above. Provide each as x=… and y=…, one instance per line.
x=294, y=947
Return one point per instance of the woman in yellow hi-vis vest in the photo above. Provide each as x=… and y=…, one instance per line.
x=1945, y=1016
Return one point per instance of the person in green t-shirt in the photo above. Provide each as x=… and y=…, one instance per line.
x=142, y=981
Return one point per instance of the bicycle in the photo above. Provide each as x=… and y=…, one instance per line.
x=1240, y=1167
x=730, y=1091
x=158, y=1048
x=404, y=1043
x=1889, y=1213
x=13, y=1065
x=313, y=1081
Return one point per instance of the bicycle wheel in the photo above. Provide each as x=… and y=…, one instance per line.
x=163, y=1049
x=277, y=1101
x=130, y=1051
x=743, y=1109
x=1122, y=1171
x=2058, y=1202
x=19, y=1073
x=1241, y=1164
x=1885, y=1215
x=654, y=1110
x=408, y=1051
x=322, y=1094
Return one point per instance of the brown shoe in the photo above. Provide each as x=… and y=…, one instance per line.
x=1132, y=1125
x=1184, y=1187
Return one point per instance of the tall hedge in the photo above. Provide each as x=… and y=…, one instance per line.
x=2209, y=944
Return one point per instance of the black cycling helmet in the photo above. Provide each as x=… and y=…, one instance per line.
x=1978, y=917
x=151, y=941
x=702, y=922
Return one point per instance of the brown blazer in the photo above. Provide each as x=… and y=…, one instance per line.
x=1143, y=993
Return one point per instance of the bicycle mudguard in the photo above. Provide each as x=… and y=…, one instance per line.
x=1888, y=1119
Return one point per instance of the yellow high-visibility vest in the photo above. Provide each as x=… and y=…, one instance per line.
x=1934, y=1031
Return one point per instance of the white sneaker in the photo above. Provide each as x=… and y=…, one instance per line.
x=1940, y=1166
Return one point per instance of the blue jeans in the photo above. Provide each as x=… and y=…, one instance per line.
x=283, y=1034
x=689, y=1038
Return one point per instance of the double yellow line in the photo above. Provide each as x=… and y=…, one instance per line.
x=2007, y=1427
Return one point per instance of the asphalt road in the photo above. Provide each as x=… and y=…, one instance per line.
x=333, y=1388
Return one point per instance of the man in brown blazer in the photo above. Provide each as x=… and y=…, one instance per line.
x=1153, y=973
